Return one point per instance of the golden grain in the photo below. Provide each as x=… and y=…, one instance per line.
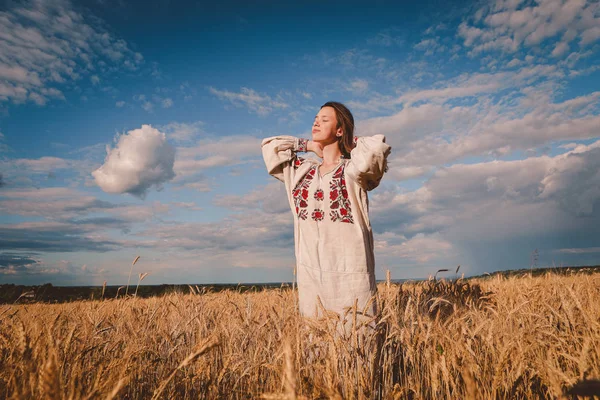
x=507, y=338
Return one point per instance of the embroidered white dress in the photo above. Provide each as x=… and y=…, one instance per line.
x=332, y=231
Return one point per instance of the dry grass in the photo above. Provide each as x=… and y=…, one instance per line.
x=497, y=339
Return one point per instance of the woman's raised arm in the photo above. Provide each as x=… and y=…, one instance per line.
x=368, y=160
x=279, y=153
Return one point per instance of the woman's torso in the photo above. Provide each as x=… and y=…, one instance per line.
x=331, y=213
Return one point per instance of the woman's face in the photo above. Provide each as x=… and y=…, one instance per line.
x=324, y=127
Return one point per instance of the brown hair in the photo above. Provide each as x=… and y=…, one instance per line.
x=345, y=120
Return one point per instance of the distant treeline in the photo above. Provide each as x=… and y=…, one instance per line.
x=587, y=269
x=47, y=293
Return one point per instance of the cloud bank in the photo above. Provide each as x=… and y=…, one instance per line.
x=47, y=43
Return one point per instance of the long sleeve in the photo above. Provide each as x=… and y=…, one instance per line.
x=279, y=153
x=368, y=161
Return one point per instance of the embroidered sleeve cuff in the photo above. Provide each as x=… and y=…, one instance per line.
x=302, y=145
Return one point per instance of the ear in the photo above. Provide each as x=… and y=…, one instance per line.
x=339, y=132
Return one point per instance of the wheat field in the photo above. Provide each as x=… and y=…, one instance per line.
x=500, y=338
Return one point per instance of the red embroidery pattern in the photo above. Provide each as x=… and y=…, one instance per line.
x=317, y=215
x=300, y=193
x=298, y=162
x=302, y=145
x=319, y=195
x=338, y=196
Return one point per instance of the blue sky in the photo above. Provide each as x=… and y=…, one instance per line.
x=135, y=129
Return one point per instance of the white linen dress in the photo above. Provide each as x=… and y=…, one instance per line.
x=332, y=231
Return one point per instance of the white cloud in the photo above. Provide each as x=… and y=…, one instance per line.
x=120, y=103
x=216, y=152
x=430, y=46
x=270, y=198
x=141, y=159
x=579, y=250
x=420, y=249
x=202, y=186
x=478, y=85
x=139, y=212
x=261, y=104
x=148, y=106
x=506, y=27
x=56, y=203
x=44, y=44
x=182, y=132
x=19, y=74
x=167, y=103
x=552, y=189
x=43, y=164
x=359, y=85
x=187, y=205
x=409, y=123
x=33, y=172
x=560, y=49
x=574, y=180
x=590, y=35
x=240, y=231
x=478, y=211
x=508, y=111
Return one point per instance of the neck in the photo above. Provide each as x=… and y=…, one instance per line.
x=331, y=154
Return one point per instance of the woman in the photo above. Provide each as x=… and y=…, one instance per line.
x=333, y=236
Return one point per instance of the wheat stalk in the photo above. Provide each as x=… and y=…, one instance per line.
x=208, y=345
x=130, y=270
x=141, y=278
x=117, y=388
x=50, y=387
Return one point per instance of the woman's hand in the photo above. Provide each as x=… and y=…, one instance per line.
x=315, y=147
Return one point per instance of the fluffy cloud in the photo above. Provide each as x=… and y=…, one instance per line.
x=141, y=159
x=508, y=25
x=47, y=43
x=476, y=210
x=574, y=180
x=523, y=117
x=420, y=249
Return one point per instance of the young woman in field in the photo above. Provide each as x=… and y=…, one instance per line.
x=333, y=237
